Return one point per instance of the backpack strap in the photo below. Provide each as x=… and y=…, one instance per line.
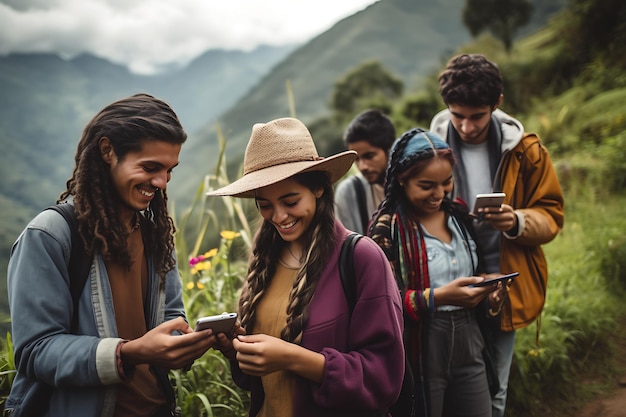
x=361, y=204
x=346, y=269
x=79, y=261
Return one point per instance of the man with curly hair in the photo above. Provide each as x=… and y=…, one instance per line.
x=112, y=355
x=495, y=154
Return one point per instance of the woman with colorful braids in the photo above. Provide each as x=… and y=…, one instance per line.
x=428, y=240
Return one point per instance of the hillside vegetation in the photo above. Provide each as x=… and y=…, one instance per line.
x=45, y=101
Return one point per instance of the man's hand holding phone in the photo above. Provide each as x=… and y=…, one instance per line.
x=483, y=201
x=490, y=207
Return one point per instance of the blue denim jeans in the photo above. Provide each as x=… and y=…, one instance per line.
x=456, y=374
x=504, y=345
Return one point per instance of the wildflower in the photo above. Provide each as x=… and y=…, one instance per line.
x=210, y=253
x=229, y=235
x=203, y=266
x=190, y=285
x=536, y=352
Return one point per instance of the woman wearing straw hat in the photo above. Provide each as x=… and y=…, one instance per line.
x=302, y=353
x=427, y=239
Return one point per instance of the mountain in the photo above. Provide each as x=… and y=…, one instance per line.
x=411, y=38
x=45, y=101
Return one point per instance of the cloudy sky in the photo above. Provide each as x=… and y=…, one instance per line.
x=148, y=34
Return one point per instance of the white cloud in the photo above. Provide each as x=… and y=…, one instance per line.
x=148, y=34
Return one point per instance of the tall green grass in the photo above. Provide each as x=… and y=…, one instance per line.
x=583, y=301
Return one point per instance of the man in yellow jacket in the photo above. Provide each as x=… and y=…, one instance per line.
x=494, y=154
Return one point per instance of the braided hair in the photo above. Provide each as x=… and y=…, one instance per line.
x=319, y=243
x=405, y=160
x=128, y=124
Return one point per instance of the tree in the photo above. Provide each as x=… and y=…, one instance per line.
x=368, y=81
x=501, y=17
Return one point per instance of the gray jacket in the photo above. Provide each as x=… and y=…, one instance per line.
x=346, y=208
x=82, y=368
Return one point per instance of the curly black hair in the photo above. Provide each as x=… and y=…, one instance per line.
x=127, y=123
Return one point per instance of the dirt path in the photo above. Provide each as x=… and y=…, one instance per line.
x=612, y=404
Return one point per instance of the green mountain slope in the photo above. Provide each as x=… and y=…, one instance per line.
x=45, y=101
x=409, y=37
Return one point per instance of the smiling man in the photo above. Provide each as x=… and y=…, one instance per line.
x=111, y=356
x=495, y=154
x=371, y=135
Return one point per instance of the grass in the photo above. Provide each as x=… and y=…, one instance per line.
x=578, y=322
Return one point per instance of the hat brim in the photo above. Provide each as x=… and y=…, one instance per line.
x=336, y=166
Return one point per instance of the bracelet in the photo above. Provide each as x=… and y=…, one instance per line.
x=431, y=302
x=410, y=306
x=494, y=312
x=124, y=370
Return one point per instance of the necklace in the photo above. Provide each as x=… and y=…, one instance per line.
x=292, y=255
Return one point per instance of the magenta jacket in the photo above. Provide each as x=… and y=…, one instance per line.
x=364, y=356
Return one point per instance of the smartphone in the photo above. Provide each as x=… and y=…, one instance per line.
x=487, y=200
x=221, y=323
x=493, y=281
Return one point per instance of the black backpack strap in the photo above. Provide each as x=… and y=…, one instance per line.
x=361, y=204
x=346, y=268
x=79, y=261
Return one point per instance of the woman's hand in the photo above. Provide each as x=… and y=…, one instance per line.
x=460, y=293
x=260, y=355
x=498, y=295
x=225, y=342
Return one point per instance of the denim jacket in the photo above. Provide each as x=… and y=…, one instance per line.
x=82, y=367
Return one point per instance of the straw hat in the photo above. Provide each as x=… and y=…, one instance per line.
x=276, y=151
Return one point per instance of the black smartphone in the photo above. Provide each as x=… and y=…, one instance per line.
x=493, y=281
x=221, y=323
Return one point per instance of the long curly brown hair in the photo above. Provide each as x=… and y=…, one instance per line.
x=128, y=124
x=319, y=244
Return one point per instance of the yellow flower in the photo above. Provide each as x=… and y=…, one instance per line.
x=229, y=235
x=203, y=266
x=200, y=285
x=194, y=271
x=210, y=253
x=190, y=285
x=536, y=352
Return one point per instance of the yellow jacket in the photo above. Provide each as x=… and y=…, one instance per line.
x=532, y=188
